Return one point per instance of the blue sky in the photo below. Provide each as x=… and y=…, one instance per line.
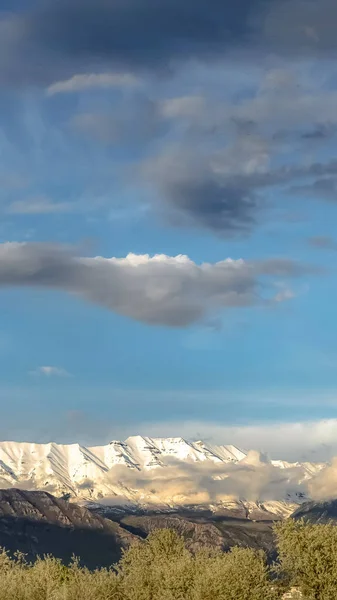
x=201, y=131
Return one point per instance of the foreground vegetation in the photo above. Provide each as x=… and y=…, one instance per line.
x=162, y=569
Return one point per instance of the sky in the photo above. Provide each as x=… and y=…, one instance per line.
x=168, y=198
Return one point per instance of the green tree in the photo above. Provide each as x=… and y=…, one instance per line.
x=240, y=574
x=158, y=569
x=162, y=569
x=308, y=557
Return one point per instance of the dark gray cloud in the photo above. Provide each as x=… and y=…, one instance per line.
x=222, y=187
x=162, y=290
x=139, y=30
x=214, y=205
x=46, y=39
x=209, y=203
x=134, y=33
x=222, y=194
x=320, y=133
x=222, y=184
x=302, y=27
x=191, y=191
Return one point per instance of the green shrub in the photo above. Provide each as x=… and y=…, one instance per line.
x=49, y=579
x=160, y=568
x=240, y=574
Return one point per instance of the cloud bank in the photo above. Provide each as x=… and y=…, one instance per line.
x=159, y=290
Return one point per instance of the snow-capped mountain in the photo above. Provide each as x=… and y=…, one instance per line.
x=157, y=471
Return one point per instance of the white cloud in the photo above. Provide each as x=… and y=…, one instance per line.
x=183, y=482
x=87, y=81
x=324, y=486
x=159, y=290
x=313, y=441
x=49, y=371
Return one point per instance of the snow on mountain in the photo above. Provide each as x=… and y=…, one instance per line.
x=154, y=471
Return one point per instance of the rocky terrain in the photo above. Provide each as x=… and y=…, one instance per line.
x=201, y=527
x=317, y=512
x=200, y=532
x=37, y=523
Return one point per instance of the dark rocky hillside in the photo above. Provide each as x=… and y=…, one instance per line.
x=199, y=532
x=201, y=528
x=317, y=512
x=37, y=523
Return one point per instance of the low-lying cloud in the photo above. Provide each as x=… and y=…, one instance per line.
x=159, y=290
x=324, y=486
x=253, y=479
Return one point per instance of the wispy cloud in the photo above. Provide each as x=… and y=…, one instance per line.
x=40, y=206
x=87, y=81
x=50, y=371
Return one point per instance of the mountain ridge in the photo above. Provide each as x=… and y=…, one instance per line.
x=144, y=471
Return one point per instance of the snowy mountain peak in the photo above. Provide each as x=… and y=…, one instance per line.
x=144, y=470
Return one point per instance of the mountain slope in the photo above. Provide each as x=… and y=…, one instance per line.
x=36, y=523
x=317, y=512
